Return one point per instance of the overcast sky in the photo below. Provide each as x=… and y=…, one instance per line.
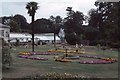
x=46, y=7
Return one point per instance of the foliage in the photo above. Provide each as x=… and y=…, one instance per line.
x=32, y=7
x=43, y=26
x=91, y=34
x=6, y=58
x=108, y=21
x=22, y=22
x=71, y=38
x=105, y=19
x=74, y=20
x=93, y=16
x=17, y=23
x=5, y=20
x=73, y=25
x=14, y=27
x=56, y=23
x=102, y=25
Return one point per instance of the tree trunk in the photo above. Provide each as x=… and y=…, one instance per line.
x=54, y=40
x=33, y=33
x=54, y=37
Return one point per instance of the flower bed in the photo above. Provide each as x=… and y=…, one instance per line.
x=27, y=55
x=43, y=53
x=101, y=61
x=37, y=58
x=56, y=50
x=24, y=53
x=88, y=56
x=33, y=58
x=63, y=60
x=96, y=62
x=74, y=57
x=37, y=53
x=68, y=51
x=23, y=56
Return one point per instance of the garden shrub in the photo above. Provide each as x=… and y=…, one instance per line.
x=6, y=58
x=71, y=38
x=115, y=45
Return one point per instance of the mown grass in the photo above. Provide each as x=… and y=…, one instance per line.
x=92, y=70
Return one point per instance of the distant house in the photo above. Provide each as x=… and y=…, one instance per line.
x=4, y=32
x=26, y=37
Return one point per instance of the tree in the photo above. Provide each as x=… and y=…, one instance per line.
x=91, y=34
x=32, y=7
x=5, y=20
x=108, y=21
x=71, y=38
x=93, y=16
x=70, y=13
x=17, y=23
x=92, y=31
x=43, y=26
x=22, y=22
x=73, y=24
x=57, y=22
x=14, y=27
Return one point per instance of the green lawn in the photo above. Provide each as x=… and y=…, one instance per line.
x=29, y=67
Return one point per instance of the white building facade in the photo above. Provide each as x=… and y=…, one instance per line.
x=26, y=37
x=4, y=32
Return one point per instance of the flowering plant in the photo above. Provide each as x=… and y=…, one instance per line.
x=101, y=61
x=68, y=51
x=27, y=55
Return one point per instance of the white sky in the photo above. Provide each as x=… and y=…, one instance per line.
x=46, y=9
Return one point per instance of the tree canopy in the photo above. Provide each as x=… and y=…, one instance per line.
x=102, y=24
x=108, y=21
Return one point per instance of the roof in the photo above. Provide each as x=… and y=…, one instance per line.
x=20, y=35
x=46, y=36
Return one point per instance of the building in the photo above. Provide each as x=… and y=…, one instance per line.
x=47, y=37
x=4, y=32
x=22, y=37
x=26, y=37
